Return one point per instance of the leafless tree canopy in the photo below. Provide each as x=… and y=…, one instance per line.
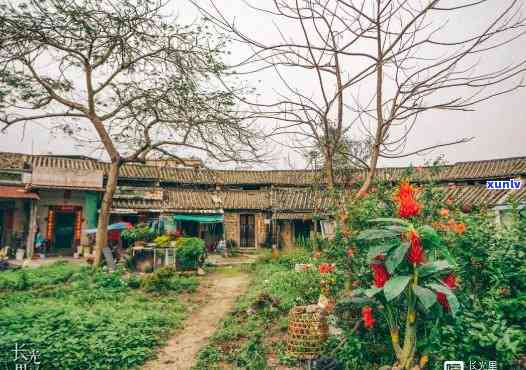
x=126, y=69
x=376, y=65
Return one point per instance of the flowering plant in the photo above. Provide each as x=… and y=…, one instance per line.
x=328, y=279
x=405, y=259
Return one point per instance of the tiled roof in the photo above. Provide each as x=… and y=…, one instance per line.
x=463, y=171
x=172, y=200
x=12, y=161
x=246, y=199
x=480, y=196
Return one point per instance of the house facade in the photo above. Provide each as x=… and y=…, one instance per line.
x=59, y=196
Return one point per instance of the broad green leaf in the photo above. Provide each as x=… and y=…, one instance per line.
x=447, y=255
x=433, y=267
x=373, y=234
x=357, y=292
x=395, y=286
x=397, y=228
x=439, y=288
x=453, y=303
x=392, y=220
x=430, y=237
x=426, y=296
x=396, y=256
x=378, y=250
x=451, y=298
x=371, y=292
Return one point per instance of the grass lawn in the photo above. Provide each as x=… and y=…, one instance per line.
x=80, y=318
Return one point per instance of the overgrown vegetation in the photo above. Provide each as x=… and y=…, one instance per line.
x=243, y=338
x=81, y=318
x=487, y=259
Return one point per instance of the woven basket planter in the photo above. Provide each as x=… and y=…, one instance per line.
x=307, y=331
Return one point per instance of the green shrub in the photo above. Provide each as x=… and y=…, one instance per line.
x=165, y=280
x=190, y=253
x=140, y=232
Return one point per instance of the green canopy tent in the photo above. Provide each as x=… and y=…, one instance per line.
x=203, y=219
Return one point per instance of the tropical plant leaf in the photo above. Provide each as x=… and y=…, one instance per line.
x=396, y=256
x=454, y=304
x=441, y=288
x=433, y=267
x=373, y=234
x=395, y=286
x=392, y=220
x=371, y=292
x=452, y=299
x=377, y=250
x=397, y=228
x=426, y=296
x=430, y=237
x=447, y=255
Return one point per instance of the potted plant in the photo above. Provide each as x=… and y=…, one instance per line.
x=139, y=234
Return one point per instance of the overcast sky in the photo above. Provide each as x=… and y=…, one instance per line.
x=498, y=126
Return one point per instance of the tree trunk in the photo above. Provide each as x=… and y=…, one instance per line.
x=371, y=172
x=104, y=214
x=328, y=169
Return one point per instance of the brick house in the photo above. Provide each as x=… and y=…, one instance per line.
x=60, y=196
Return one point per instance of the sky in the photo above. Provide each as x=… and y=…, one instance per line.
x=498, y=126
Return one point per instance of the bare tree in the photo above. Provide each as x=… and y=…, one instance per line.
x=126, y=72
x=377, y=66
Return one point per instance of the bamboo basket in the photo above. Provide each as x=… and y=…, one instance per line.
x=307, y=331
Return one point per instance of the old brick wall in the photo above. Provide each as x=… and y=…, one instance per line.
x=232, y=226
x=261, y=230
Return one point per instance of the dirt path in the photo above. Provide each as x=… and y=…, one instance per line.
x=215, y=298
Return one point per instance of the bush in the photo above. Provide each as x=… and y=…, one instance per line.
x=165, y=280
x=190, y=253
x=140, y=232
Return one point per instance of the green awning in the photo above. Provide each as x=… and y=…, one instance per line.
x=204, y=219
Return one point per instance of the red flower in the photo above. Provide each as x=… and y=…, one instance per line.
x=367, y=316
x=350, y=253
x=406, y=199
x=442, y=299
x=380, y=275
x=450, y=281
x=460, y=228
x=444, y=212
x=416, y=251
x=326, y=268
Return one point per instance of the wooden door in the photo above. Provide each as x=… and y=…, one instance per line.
x=247, y=237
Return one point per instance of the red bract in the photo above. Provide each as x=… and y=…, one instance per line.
x=380, y=275
x=450, y=281
x=326, y=268
x=416, y=251
x=367, y=316
x=406, y=199
x=442, y=299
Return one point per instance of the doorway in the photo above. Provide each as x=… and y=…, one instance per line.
x=247, y=237
x=64, y=231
